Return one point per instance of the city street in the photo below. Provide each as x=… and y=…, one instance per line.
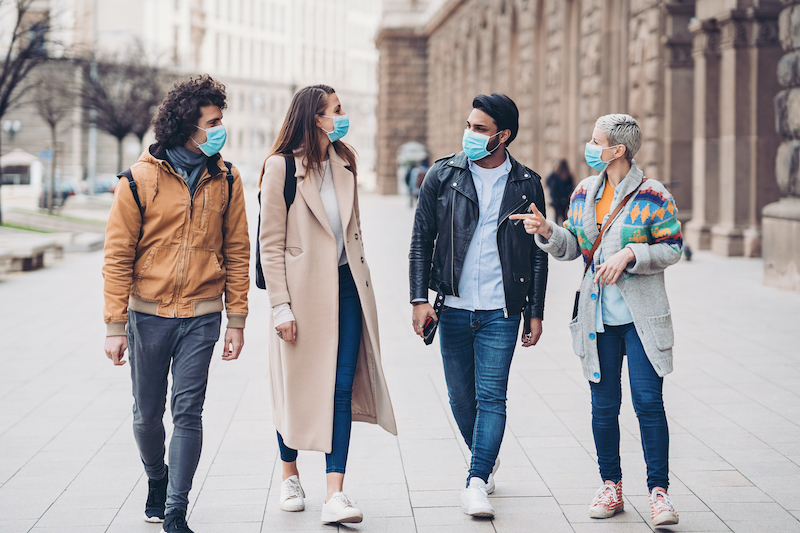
x=68, y=461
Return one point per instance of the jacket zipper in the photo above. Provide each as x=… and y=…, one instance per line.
x=497, y=237
x=185, y=250
x=452, y=245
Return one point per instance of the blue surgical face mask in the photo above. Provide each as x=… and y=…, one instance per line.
x=476, y=145
x=341, y=123
x=215, y=140
x=592, y=154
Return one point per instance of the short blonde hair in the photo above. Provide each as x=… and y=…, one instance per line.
x=621, y=129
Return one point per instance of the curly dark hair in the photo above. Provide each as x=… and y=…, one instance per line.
x=180, y=110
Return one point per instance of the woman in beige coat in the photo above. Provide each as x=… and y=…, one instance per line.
x=325, y=365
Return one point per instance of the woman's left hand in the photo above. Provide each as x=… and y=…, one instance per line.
x=609, y=272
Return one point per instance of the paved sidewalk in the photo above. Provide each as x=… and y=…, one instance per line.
x=68, y=462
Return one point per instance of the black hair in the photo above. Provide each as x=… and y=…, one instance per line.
x=179, y=112
x=503, y=111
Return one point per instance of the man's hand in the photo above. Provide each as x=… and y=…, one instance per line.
x=535, y=222
x=288, y=331
x=234, y=340
x=115, y=347
x=536, y=332
x=420, y=315
x=609, y=272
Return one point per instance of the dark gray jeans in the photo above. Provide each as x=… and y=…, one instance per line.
x=187, y=343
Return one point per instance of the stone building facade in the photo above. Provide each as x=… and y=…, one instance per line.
x=699, y=75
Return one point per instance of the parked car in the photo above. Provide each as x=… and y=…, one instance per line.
x=64, y=189
x=103, y=183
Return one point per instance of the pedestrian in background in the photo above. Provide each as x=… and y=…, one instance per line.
x=487, y=272
x=325, y=364
x=560, y=184
x=176, y=243
x=625, y=226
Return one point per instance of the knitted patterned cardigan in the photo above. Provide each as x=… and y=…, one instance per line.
x=648, y=225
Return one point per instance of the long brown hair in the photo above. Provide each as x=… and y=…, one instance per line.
x=299, y=131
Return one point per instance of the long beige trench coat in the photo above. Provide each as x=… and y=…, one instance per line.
x=300, y=263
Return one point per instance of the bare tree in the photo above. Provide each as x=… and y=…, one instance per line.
x=24, y=38
x=124, y=94
x=54, y=100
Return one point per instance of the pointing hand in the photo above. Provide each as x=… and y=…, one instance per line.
x=535, y=222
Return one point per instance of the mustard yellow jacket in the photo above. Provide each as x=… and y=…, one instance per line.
x=192, y=249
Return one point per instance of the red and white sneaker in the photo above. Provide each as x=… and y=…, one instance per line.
x=661, y=509
x=607, y=500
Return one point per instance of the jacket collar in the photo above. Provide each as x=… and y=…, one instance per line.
x=518, y=172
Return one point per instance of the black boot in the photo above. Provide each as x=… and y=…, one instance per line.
x=156, y=499
x=175, y=522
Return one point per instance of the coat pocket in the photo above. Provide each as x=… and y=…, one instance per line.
x=155, y=280
x=577, y=337
x=294, y=251
x=661, y=328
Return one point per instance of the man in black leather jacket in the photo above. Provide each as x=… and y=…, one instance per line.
x=488, y=273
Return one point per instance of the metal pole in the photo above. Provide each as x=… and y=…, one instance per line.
x=91, y=162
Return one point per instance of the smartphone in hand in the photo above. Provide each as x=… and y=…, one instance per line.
x=429, y=330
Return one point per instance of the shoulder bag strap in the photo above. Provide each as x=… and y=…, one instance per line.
x=605, y=226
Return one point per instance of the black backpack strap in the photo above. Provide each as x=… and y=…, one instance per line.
x=289, y=191
x=132, y=184
x=229, y=165
x=290, y=185
x=134, y=191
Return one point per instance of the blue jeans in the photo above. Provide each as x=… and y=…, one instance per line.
x=477, y=348
x=155, y=343
x=647, y=402
x=347, y=357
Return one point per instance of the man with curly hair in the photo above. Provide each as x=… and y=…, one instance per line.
x=176, y=247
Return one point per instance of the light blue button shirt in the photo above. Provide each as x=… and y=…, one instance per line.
x=611, y=307
x=481, y=284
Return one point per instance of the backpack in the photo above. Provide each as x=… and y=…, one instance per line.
x=132, y=184
x=289, y=190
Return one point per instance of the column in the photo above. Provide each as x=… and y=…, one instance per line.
x=781, y=219
x=705, y=142
x=678, y=105
x=749, y=51
x=402, y=97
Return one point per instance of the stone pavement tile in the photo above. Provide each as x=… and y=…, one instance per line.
x=16, y=526
x=527, y=488
x=748, y=510
x=697, y=464
x=761, y=525
x=223, y=482
x=435, y=498
x=381, y=525
x=232, y=497
x=449, y=519
x=715, y=495
x=715, y=478
x=528, y=514
x=69, y=529
x=226, y=527
x=694, y=521
x=602, y=526
x=210, y=513
x=385, y=508
x=782, y=489
x=68, y=517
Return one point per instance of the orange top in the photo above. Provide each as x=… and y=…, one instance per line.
x=603, y=207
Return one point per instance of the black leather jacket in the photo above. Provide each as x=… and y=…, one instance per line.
x=446, y=219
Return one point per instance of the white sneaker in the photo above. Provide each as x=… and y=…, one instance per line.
x=490, y=483
x=340, y=510
x=475, y=501
x=292, y=495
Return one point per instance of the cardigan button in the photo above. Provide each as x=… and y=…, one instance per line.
x=594, y=296
x=591, y=336
x=597, y=374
